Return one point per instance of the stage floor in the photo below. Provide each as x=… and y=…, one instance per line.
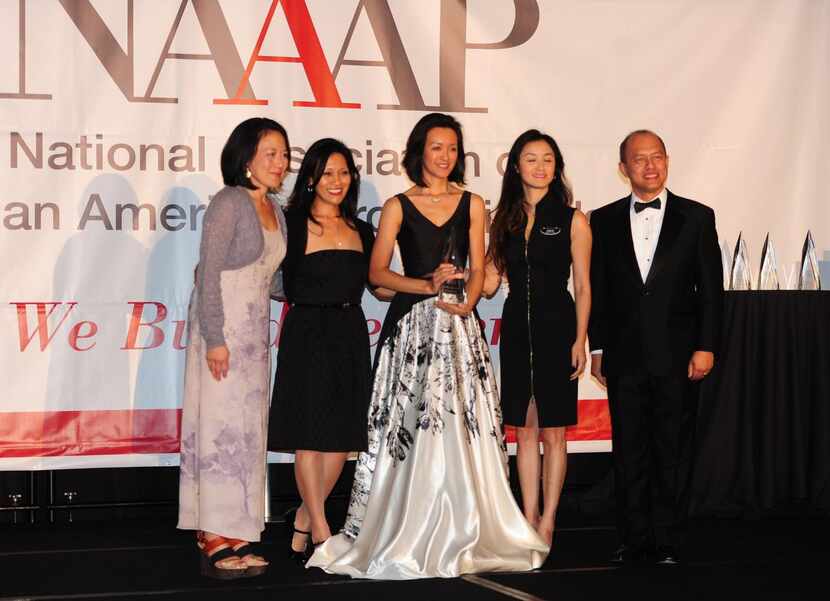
x=780, y=559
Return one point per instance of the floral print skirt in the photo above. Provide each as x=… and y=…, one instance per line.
x=431, y=497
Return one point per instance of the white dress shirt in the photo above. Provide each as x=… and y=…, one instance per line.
x=645, y=231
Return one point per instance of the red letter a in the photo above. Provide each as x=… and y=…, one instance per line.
x=311, y=56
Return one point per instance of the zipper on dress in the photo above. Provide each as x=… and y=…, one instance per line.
x=529, y=335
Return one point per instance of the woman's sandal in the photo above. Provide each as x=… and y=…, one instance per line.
x=214, y=552
x=246, y=551
x=300, y=556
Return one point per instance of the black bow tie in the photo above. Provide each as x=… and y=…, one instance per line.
x=642, y=206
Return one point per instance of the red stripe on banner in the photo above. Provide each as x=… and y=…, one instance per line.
x=150, y=431
x=48, y=433
x=594, y=422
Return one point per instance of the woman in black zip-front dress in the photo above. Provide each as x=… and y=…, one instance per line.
x=535, y=238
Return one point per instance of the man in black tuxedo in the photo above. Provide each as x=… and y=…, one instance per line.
x=657, y=287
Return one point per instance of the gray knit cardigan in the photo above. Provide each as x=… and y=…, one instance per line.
x=231, y=239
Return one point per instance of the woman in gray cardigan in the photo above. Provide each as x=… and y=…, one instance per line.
x=225, y=409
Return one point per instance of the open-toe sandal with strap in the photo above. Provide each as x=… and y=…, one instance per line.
x=216, y=555
x=250, y=555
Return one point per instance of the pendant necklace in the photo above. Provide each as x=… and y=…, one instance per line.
x=434, y=198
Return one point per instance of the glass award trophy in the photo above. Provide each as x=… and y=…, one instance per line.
x=452, y=291
x=726, y=260
x=740, y=278
x=768, y=276
x=808, y=277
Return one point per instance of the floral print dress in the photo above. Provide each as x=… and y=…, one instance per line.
x=225, y=423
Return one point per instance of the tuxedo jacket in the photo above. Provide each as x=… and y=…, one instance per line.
x=655, y=325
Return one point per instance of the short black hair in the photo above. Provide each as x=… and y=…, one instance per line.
x=413, y=157
x=311, y=170
x=241, y=148
x=638, y=132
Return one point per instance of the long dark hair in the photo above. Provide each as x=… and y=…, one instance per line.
x=510, y=215
x=413, y=156
x=311, y=170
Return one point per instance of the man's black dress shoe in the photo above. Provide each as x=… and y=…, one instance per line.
x=667, y=556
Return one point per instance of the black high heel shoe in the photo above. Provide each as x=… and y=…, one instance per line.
x=300, y=556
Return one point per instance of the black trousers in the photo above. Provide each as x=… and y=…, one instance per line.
x=652, y=421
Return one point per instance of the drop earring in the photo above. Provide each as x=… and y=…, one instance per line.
x=248, y=173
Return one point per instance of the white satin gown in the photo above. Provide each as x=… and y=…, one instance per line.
x=431, y=497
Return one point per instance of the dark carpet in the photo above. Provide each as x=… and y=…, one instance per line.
x=772, y=558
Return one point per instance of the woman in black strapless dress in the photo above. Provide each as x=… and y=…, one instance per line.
x=535, y=237
x=321, y=391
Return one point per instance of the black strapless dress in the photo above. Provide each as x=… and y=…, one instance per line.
x=321, y=390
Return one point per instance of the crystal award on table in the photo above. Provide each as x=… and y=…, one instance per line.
x=808, y=277
x=452, y=291
x=768, y=276
x=726, y=260
x=740, y=278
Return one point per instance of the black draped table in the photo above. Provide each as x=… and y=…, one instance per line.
x=764, y=418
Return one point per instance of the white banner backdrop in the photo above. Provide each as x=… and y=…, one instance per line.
x=113, y=115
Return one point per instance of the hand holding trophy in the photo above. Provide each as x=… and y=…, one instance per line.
x=451, y=295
